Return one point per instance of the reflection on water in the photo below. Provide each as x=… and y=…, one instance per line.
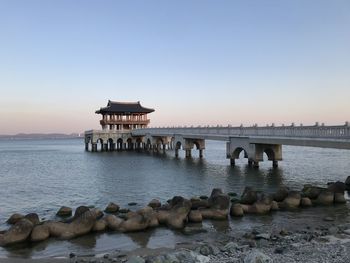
x=42, y=175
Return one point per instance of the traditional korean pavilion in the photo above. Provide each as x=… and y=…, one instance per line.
x=124, y=116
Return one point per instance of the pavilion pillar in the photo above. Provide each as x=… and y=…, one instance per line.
x=94, y=147
x=200, y=153
x=104, y=147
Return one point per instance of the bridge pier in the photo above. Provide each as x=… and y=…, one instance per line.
x=176, y=153
x=94, y=147
x=232, y=162
x=200, y=153
x=188, y=153
x=254, y=152
x=86, y=146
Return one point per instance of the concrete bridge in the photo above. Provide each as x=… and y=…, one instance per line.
x=253, y=141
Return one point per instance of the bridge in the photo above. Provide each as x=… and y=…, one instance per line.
x=253, y=141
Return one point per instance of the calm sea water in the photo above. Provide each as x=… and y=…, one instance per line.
x=42, y=175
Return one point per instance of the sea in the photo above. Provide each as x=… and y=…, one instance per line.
x=41, y=175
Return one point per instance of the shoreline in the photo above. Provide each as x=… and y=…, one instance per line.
x=191, y=217
x=324, y=242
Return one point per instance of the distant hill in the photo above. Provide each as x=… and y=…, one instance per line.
x=42, y=136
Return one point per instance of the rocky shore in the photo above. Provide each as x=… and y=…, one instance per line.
x=323, y=242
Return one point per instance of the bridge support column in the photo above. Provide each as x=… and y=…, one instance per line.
x=232, y=162
x=176, y=153
x=164, y=148
x=274, y=164
x=104, y=147
x=200, y=153
x=112, y=147
x=255, y=164
x=250, y=162
x=188, y=153
x=86, y=146
x=94, y=147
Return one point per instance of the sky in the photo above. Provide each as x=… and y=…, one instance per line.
x=196, y=62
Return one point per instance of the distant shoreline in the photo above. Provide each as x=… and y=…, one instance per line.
x=29, y=136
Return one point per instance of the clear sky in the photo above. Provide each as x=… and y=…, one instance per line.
x=195, y=62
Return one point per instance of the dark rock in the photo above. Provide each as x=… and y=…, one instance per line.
x=281, y=194
x=305, y=202
x=100, y=225
x=112, y=208
x=33, y=217
x=249, y=196
x=339, y=198
x=292, y=200
x=40, y=233
x=195, y=216
x=80, y=210
x=347, y=183
x=263, y=236
x=155, y=203
x=219, y=200
x=132, y=204
x=139, y=220
x=64, y=211
x=231, y=194
x=279, y=250
x=124, y=210
x=113, y=222
x=176, y=215
x=325, y=198
x=204, y=197
x=337, y=187
x=311, y=192
x=219, y=204
x=236, y=210
x=199, y=203
x=19, y=232
x=14, y=218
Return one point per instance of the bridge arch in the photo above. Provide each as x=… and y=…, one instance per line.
x=120, y=144
x=111, y=144
x=271, y=156
x=236, y=153
x=99, y=143
x=178, y=145
x=129, y=144
x=148, y=144
x=138, y=143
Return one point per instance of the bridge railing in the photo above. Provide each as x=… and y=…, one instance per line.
x=335, y=132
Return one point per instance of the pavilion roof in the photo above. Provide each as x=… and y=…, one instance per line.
x=123, y=108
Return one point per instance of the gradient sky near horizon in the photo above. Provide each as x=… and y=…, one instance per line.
x=196, y=62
